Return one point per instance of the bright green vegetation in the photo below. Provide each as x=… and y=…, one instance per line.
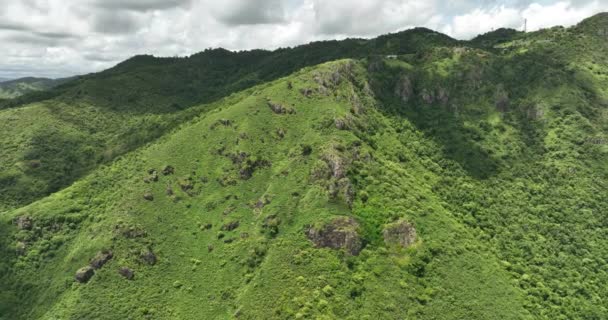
x=16, y=88
x=493, y=151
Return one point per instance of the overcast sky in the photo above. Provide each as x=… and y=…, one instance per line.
x=57, y=38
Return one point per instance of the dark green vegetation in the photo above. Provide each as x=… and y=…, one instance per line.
x=10, y=89
x=455, y=181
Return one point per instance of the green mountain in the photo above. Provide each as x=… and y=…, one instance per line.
x=409, y=176
x=10, y=89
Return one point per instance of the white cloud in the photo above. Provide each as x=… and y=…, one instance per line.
x=562, y=13
x=538, y=16
x=480, y=21
x=65, y=37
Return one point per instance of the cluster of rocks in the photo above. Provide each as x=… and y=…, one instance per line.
x=24, y=223
x=222, y=122
x=339, y=233
x=342, y=233
x=247, y=164
x=153, y=177
x=280, y=109
x=84, y=274
x=230, y=225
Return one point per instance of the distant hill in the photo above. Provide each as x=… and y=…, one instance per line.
x=10, y=89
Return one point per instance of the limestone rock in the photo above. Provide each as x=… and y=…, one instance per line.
x=340, y=233
x=101, y=258
x=401, y=233
x=84, y=274
x=127, y=273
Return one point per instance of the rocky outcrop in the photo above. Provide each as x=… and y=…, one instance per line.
x=24, y=223
x=404, y=89
x=168, y=170
x=247, y=164
x=307, y=92
x=399, y=233
x=152, y=176
x=101, y=258
x=148, y=257
x=279, y=108
x=340, y=233
x=127, y=273
x=84, y=274
x=230, y=226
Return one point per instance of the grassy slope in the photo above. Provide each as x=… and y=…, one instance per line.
x=447, y=275
x=96, y=117
x=48, y=145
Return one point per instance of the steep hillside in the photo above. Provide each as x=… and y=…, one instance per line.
x=455, y=181
x=96, y=117
x=225, y=206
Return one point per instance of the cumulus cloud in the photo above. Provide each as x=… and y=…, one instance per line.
x=115, y=22
x=237, y=12
x=361, y=17
x=140, y=5
x=537, y=16
x=65, y=37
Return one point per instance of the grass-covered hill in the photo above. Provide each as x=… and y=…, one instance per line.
x=51, y=138
x=11, y=89
x=454, y=181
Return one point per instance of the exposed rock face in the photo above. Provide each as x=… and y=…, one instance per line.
x=127, y=273
x=332, y=174
x=100, y=259
x=401, y=233
x=404, y=89
x=84, y=274
x=340, y=233
x=24, y=223
x=337, y=165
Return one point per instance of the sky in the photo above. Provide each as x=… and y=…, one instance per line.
x=58, y=38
